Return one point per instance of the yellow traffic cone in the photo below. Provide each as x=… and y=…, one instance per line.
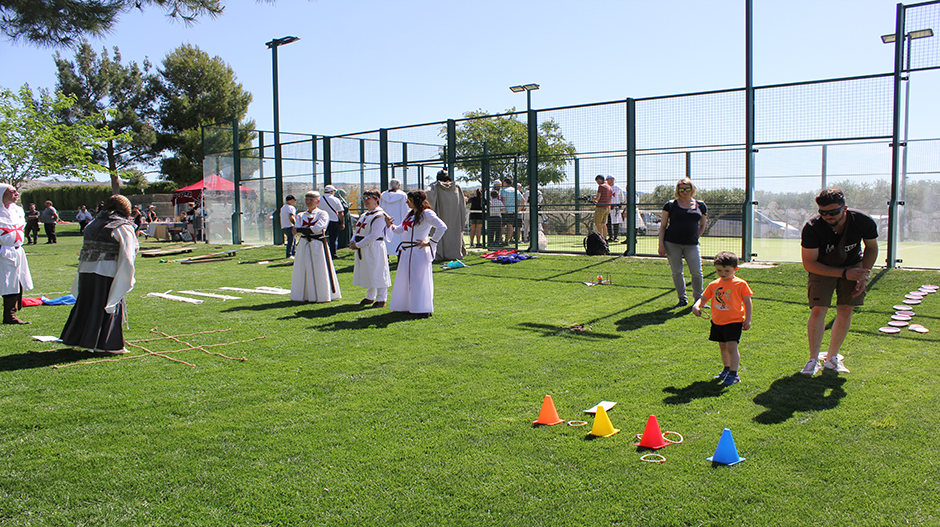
x=602, y=425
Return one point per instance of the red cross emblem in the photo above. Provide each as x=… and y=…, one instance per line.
x=308, y=221
x=409, y=222
x=17, y=230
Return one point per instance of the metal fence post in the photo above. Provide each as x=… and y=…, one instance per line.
x=383, y=159
x=747, y=217
x=237, y=177
x=892, y=256
x=532, y=119
x=327, y=164
x=631, y=178
x=451, y=148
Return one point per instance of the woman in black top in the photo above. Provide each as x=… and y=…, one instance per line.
x=475, y=204
x=682, y=223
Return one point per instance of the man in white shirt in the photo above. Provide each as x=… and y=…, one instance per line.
x=615, y=219
x=288, y=217
x=334, y=209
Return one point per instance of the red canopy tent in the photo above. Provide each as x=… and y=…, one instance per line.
x=212, y=183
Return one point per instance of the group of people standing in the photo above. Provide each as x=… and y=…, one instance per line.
x=839, y=247
x=314, y=276
x=105, y=273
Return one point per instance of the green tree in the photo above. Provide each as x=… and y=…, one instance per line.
x=507, y=141
x=35, y=144
x=194, y=89
x=100, y=83
x=65, y=22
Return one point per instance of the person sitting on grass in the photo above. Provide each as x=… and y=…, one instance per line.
x=731, y=313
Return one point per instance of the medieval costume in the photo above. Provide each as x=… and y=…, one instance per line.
x=414, y=284
x=314, y=278
x=394, y=203
x=14, y=270
x=105, y=275
x=371, y=267
x=448, y=202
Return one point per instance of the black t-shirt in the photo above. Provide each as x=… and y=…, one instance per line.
x=32, y=216
x=683, y=223
x=817, y=234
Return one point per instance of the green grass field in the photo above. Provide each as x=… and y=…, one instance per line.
x=350, y=416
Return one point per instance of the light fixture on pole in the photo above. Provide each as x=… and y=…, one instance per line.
x=890, y=39
x=278, y=168
x=528, y=89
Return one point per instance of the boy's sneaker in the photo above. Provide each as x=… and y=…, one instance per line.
x=721, y=376
x=812, y=367
x=730, y=379
x=836, y=364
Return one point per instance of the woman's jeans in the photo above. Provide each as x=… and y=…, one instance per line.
x=675, y=253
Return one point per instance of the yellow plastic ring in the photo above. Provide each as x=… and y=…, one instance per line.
x=681, y=439
x=662, y=459
x=577, y=423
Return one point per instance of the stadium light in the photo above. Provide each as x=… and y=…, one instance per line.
x=890, y=39
x=528, y=89
x=278, y=163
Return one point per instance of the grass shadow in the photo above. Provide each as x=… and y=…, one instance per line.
x=262, y=307
x=41, y=359
x=648, y=318
x=696, y=390
x=799, y=393
x=325, y=310
x=548, y=330
x=382, y=320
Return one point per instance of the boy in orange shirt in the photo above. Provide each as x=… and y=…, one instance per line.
x=731, y=313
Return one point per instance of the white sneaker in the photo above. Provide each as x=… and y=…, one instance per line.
x=812, y=367
x=836, y=364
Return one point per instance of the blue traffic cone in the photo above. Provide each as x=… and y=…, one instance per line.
x=726, y=453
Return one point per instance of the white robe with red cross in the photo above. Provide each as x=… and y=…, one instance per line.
x=14, y=270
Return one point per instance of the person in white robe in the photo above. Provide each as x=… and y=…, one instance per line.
x=448, y=203
x=394, y=203
x=368, y=243
x=105, y=275
x=615, y=219
x=14, y=269
x=314, y=277
x=414, y=284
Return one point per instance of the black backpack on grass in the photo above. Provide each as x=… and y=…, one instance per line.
x=595, y=244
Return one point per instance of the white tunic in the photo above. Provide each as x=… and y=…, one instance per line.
x=616, y=211
x=371, y=268
x=314, y=278
x=395, y=204
x=414, y=284
x=14, y=270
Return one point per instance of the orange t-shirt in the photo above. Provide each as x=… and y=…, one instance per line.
x=727, y=298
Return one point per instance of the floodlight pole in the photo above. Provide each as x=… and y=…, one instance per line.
x=533, y=140
x=899, y=184
x=278, y=162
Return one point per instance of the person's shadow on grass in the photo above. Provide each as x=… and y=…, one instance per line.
x=381, y=320
x=649, y=318
x=799, y=393
x=578, y=330
x=263, y=307
x=696, y=390
x=42, y=359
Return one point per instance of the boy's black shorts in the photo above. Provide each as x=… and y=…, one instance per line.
x=726, y=332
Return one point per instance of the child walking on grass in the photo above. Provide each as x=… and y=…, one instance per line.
x=731, y=313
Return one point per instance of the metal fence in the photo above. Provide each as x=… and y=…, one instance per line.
x=807, y=136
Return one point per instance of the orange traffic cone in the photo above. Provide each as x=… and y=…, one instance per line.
x=548, y=415
x=652, y=436
x=602, y=425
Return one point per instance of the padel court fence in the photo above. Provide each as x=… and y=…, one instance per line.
x=843, y=132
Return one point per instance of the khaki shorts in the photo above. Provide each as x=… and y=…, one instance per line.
x=819, y=291
x=600, y=215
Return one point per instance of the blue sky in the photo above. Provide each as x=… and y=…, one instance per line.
x=365, y=64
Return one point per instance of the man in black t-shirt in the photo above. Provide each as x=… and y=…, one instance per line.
x=832, y=254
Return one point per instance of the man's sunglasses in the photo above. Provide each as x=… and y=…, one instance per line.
x=833, y=212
